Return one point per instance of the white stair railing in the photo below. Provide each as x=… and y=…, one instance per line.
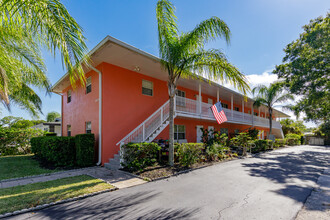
x=147, y=128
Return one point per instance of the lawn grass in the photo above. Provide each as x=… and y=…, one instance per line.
x=19, y=166
x=27, y=196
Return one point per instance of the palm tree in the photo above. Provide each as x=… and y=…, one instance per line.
x=183, y=55
x=269, y=96
x=26, y=27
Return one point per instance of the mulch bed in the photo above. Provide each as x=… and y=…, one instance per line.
x=158, y=171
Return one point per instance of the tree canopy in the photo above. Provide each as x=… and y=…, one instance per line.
x=290, y=126
x=26, y=27
x=306, y=70
x=51, y=116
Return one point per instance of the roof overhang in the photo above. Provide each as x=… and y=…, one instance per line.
x=116, y=52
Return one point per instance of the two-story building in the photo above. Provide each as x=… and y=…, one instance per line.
x=126, y=98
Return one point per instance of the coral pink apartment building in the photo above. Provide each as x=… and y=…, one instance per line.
x=125, y=100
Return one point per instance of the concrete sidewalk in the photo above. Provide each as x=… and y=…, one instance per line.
x=317, y=205
x=116, y=178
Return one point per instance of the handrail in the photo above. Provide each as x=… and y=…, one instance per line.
x=142, y=124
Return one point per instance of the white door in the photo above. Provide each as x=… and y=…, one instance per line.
x=211, y=129
x=197, y=104
x=199, y=133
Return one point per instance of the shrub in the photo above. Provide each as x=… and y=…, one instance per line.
x=217, y=151
x=253, y=133
x=242, y=141
x=292, y=139
x=85, y=144
x=139, y=155
x=188, y=153
x=260, y=145
x=58, y=151
x=17, y=141
x=279, y=143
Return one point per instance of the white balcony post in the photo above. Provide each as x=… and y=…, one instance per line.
x=161, y=115
x=218, y=98
x=243, y=108
x=143, y=131
x=200, y=98
x=232, y=106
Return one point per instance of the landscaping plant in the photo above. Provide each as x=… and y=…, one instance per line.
x=85, y=145
x=188, y=153
x=137, y=156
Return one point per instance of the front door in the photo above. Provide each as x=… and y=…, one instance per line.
x=199, y=133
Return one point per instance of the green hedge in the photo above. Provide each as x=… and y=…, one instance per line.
x=139, y=155
x=17, y=141
x=293, y=139
x=65, y=151
x=279, y=143
x=85, y=149
x=58, y=151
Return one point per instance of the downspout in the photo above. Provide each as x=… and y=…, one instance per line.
x=100, y=114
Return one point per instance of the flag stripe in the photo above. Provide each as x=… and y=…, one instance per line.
x=218, y=113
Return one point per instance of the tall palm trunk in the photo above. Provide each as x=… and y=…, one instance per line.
x=270, y=110
x=171, y=91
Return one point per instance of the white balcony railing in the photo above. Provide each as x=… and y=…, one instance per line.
x=192, y=108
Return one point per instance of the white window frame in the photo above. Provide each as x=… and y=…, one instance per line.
x=89, y=83
x=69, y=96
x=144, y=87
x=236, y=108
x=176, y=132
x=88, y=129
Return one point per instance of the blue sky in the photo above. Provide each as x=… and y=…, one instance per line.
x=260, y=30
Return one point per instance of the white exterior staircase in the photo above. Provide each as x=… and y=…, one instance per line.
x=147, y=131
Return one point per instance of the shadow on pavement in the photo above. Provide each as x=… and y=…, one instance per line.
x=287, y=169
x=115, y=206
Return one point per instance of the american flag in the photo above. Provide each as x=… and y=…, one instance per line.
x=218, y=113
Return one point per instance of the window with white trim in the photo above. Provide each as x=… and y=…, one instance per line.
x=255, y=113
x=88, y=127
x=147, y=88
x=236, y=109
x=69, y=96
x=179, y=132
x=68, y=128
x=224, y=105
x=88, y=85
x=181, y=101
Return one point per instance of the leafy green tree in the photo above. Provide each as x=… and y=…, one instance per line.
x=183, y=55
x=51, y=116
x=306, y=70
x=269, y=96
x=8, y=121
x=290, y=126
x=26, y=27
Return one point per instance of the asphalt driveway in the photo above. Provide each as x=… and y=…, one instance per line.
x=271, y=186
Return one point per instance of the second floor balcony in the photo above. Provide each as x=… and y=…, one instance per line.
x=195, y=109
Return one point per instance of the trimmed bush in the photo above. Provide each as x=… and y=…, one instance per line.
x=279, y=143
x=58, y=151
x=293, y=139
x=261, y=145
x=188, y=153
x=85, y=144
x=216, y=152
x=137, y=156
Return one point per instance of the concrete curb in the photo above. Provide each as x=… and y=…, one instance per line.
x=46, y=174
x=192, y=169
x=43, y=206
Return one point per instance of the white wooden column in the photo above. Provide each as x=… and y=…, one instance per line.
x=243, y=108
x=200, y=98
x=218, y=98
x=232, y=106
